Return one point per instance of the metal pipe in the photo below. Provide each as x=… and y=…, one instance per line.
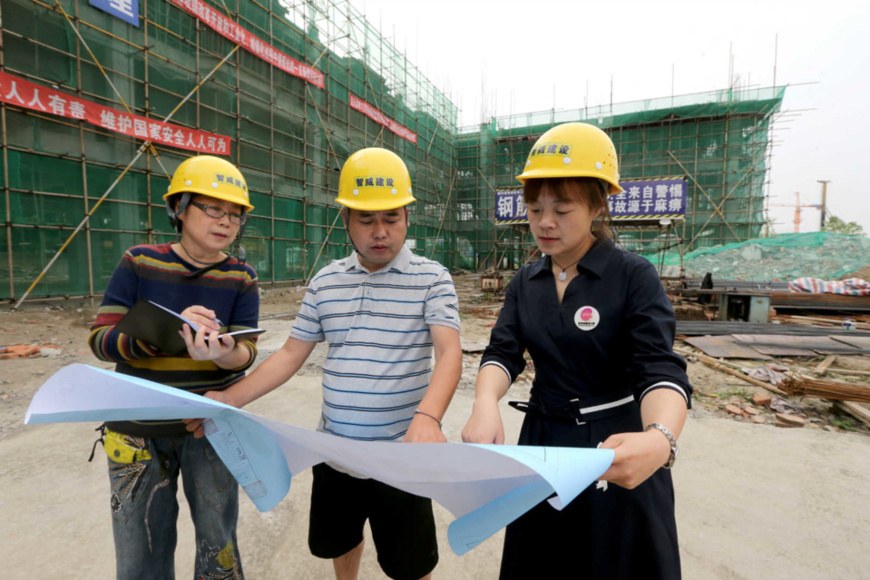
x=142, y=149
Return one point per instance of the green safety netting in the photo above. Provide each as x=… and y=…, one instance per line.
x=824, y=255
x=290, y=140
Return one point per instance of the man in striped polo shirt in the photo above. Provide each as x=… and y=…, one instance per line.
x=383, y=311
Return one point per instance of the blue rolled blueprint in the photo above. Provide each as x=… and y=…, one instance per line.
x=484, y=486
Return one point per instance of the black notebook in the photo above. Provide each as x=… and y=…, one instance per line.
x=159, y=326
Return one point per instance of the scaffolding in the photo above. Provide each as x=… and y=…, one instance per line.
x=720, y=141
x=290, y=136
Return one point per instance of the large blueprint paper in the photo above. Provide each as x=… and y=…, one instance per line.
x=485, y=486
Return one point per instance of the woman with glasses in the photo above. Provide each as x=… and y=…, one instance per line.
x=197, y=277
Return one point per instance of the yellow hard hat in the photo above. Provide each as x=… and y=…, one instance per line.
x=574, y=150
x=374, y=179
x=212, y=177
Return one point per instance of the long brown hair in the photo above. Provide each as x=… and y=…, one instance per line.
x=589, y=191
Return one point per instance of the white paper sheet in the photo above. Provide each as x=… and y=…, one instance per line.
x=485, y=486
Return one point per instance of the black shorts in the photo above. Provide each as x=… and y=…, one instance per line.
x=403, y=526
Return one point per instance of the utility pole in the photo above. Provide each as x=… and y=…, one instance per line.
x=824, y=203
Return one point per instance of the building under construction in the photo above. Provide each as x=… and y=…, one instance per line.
x=101, y=101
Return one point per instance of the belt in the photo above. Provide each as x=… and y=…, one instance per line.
x=573, y=410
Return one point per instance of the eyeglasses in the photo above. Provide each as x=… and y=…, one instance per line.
x=217, y=213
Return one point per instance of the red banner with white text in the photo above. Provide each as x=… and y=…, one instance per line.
x=375, y=115
x=17, y=91
x=238, y=35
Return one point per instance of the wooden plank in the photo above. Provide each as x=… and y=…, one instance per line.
x=833, y=321
x=823, y=366
x=855, y=409
x=788, y=345
x=849, y=372
x=724, y=347
x=808, y=301
x=770, y=344
x=861, y=342
x=703, y=328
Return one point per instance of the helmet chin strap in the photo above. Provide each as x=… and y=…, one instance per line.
x=239, y=250
x=183, y=202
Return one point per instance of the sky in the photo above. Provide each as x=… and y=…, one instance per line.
x=508, y=57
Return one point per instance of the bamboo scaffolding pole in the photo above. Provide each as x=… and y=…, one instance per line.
x=710, y=199
x=338, y=166
x=139, y=153
x=150, y=147
x=729, y=369
x=444, y=214
x=750, y=169
x=73, y=19
x=322, y=246
x=7, y=197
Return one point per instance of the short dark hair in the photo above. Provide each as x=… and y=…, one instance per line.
x=589, y=191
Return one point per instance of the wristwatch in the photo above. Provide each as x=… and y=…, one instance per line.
x=674, y=449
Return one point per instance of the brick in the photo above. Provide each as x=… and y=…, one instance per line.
x=734, y=409
x=19, y=351
x=783, y=420
x=758, y=420
x=751, y=410
x=761, y=400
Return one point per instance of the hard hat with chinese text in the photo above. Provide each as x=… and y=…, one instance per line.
x=374, y=179
x=213, y=177
x=574, y=150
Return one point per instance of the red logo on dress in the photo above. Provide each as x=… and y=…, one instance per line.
x=586, y=314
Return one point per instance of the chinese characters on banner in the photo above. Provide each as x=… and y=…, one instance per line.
x=642, y=199
x=649, y=199
x=126, y=10
x=378, y=117
x=510, y=208
x=238, y=35
x=17, y=91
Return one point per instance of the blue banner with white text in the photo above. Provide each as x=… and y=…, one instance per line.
x=126, y=10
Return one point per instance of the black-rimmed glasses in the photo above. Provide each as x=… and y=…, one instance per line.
x=217, y=213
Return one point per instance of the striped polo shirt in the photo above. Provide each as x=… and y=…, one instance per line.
x=380, y=348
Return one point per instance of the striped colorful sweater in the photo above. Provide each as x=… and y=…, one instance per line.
x=157, y=273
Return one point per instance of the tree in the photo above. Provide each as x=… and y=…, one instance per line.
x=838, y=226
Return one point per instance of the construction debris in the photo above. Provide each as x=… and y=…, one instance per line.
x=28, y=350
x=800, y=386
x=823, y=255
x=701, y=328
x=823, y=366
x=783, y=420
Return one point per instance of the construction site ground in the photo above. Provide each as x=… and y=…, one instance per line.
x=753, y=500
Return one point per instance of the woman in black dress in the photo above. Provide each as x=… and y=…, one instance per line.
x=599, y=328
